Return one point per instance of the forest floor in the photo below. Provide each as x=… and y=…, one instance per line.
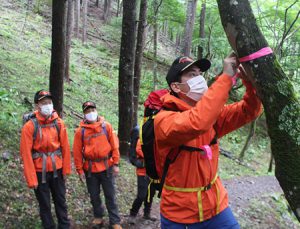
x=242, y=191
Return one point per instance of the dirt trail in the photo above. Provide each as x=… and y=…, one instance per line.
x=241, y=190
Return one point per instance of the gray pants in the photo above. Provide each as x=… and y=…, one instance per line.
x=107, y=181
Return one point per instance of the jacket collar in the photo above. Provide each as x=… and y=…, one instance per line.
x=171, y=102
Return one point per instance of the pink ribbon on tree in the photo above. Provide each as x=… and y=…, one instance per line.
x=262, y=52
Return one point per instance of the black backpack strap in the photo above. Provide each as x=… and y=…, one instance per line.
x=36, y=127
x=171, y=157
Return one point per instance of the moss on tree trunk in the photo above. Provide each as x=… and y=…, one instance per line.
x=276, y=92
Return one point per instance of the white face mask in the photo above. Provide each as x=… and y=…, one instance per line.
x=92, y=116
x=47, y=110
x=198, y=87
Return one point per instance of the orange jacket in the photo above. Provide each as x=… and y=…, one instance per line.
x=49, y=142
x=140, y=156
x=95, y=147
x=193, y=126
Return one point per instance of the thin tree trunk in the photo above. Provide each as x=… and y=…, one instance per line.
x=156, y=6
x=106, y=11
x=58, y=49
x=248, y=140
x=97, y=3
x=138, y=58
x=118, y=8
x=77, y=17
x=202, y=29
x=189, y=26
x=70, y=16
x=126, y=73
x=281, y=105
x=85, y=4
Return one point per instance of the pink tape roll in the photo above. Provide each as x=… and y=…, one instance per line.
x=256, y=55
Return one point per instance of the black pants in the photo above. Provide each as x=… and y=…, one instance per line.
x=142, y=196
x=58, y=191
x=107, y=181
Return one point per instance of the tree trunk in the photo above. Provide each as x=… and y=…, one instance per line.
x=282, y=107
x=118, y=8
x=85, y=4
x=106, y=11
x=202, y=29
x=126, y=74
x=58, y=49
x=77, y=17
x=189, y=26
x=97, y=3
x=138, y=59
x=156, y=6
x=248, y=140
x=70, y=16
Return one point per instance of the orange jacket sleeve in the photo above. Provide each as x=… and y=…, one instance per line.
x=114, y=143
x=65, y=148
x=26, y=144
x=176, y=128
x=77, y=151
x=235, y=115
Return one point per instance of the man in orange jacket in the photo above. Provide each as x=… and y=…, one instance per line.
x=45, y=151
x=96, y=157
x=193, y=118
x=144, y=192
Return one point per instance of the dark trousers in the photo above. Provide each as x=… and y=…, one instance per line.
x=106, y=179
x=142, y=196
x=58, y=191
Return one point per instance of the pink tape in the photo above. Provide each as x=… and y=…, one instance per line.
x=256, y=55
x=207, y=150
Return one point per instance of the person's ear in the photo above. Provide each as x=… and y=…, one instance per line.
x=175, y=87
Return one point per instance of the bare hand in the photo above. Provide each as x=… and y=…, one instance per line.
x=230, y=64
x=116, y=170
x=82, y=177
x=242, y=73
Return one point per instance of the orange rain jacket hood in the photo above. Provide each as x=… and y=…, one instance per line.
x=95, y=147
x=46, y=141
x=181, y=124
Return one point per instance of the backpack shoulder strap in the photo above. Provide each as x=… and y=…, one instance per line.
x=57, y=128
x=36, y=127
x=105, y=130
x=82, y=134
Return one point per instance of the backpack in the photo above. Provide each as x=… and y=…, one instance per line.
x=37, y=127
x=153, y=105
x=132, y=155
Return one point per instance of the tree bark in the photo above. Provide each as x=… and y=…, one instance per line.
x=282, y=107
x=189, y=26
x=58, y=49
x=85, y=4
x=77, y=17
x=70, y=16
x=106, y=11
x=138, y=59
x=126, y=74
